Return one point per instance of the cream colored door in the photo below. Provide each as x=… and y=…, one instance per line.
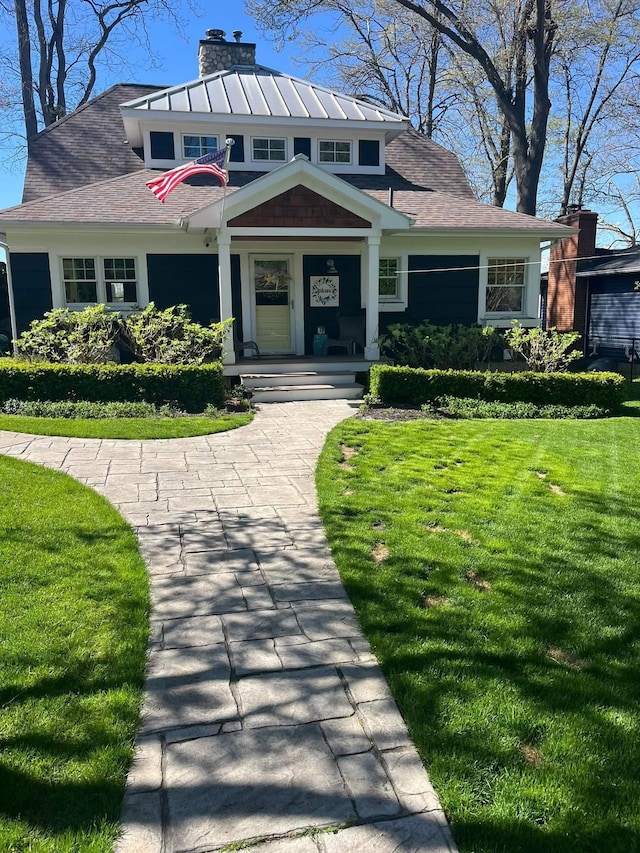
x=273, y=303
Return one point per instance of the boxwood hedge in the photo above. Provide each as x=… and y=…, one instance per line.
x=414, y=386
x=188, y=387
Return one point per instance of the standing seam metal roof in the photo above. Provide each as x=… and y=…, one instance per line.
x=255, y=90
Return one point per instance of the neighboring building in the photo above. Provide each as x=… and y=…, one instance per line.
x=594, y=291
x=335, y=208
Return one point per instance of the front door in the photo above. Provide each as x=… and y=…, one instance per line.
x=273, y=303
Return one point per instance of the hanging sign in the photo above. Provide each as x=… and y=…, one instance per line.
x=325, y=291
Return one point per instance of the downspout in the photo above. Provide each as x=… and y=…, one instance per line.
x=12, y=307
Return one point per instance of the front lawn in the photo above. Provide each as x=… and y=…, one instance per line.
x=132, y=428
x=494, y=568
x=73, y=632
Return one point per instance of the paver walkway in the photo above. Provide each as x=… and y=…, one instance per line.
x=266, y=718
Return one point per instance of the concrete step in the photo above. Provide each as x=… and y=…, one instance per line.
x=302, y=364
x=268, y=380
x=290, y=393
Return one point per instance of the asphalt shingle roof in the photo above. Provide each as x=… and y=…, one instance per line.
x=612, y=262
x=127, y=200
x=86, y=146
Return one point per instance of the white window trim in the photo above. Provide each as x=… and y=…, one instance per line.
x=270, y=138
x=187, y=158
x=502, y=318
x=321, y=162
x=101, y=282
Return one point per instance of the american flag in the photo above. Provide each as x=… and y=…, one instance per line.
x=210, y=164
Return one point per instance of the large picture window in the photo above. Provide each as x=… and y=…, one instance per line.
x=505, y=285
x=333, y=151
x=197, y=146
x=271, y=150
x=89, y=280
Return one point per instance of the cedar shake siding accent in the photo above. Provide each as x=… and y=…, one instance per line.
x=188, y=279
x=348, y=270
x=566, y=303
x=447, y=295
x=299, y=207
x=31, y=280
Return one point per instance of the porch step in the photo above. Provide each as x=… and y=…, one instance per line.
x=297, y=392
x=268, y=380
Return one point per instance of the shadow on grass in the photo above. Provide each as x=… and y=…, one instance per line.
x=545, y=658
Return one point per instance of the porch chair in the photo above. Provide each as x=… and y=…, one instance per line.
x=240, y=346
x=351, y=332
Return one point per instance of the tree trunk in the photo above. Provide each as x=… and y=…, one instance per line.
x=26, y=74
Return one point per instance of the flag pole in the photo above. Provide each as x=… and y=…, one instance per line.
x=228, y=143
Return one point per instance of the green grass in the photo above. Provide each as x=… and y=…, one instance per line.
x=73, y=632
x=494, y=566
x=134, y=428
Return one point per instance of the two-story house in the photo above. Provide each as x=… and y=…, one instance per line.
x=335, y=209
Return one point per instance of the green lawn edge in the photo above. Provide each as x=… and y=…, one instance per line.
x=74, y=629
x=125, y=428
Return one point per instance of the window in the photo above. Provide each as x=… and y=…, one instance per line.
x=120, y=280
x=270, y=149
x=116, y=282
x=388, y=285
x=505, y=285
x=334, y=152
x=198, y=146
x=80, y=284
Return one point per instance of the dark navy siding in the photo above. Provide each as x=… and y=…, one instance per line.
x=188, y=279
x=236, y=295
x=31, y=281
x=614, y=314
x=348, y=269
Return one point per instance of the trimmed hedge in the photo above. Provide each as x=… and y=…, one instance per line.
x=463, y=407
x=406, y=385
x=187, y=387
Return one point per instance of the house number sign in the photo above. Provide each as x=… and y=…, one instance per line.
x=325, y=291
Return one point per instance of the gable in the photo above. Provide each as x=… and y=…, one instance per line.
x=299, y=207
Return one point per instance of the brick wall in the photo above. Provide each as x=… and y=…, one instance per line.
x=566, y=295
x=299, y=208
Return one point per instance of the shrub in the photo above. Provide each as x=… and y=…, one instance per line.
x=86, y=409
x=95, y=334
x=400, y=385
x=75, y=337
x=468, y=408
x=187, y=387
x=171, y=337
x=543, y=350
x=427, y=345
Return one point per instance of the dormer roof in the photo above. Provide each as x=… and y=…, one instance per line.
x=254, y=90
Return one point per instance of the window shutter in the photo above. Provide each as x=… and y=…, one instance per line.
x=302, y=145
x=162, y=147
x=369, y=152
x=237, y=149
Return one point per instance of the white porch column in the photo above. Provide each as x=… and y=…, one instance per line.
x=224, y=286
x=372, y=350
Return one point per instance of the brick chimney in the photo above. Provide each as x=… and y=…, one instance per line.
x=216, y=54
x=566, y=294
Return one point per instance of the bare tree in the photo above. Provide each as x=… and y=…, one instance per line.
x=522, y=97
x=61, y=44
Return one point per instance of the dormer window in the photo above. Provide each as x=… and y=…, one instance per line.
x=197, y=146
x=270, y=150
x=334, y=151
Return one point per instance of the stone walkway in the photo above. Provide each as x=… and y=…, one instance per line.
x=267, y=721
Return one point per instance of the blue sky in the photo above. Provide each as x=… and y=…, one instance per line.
x=179, y=63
